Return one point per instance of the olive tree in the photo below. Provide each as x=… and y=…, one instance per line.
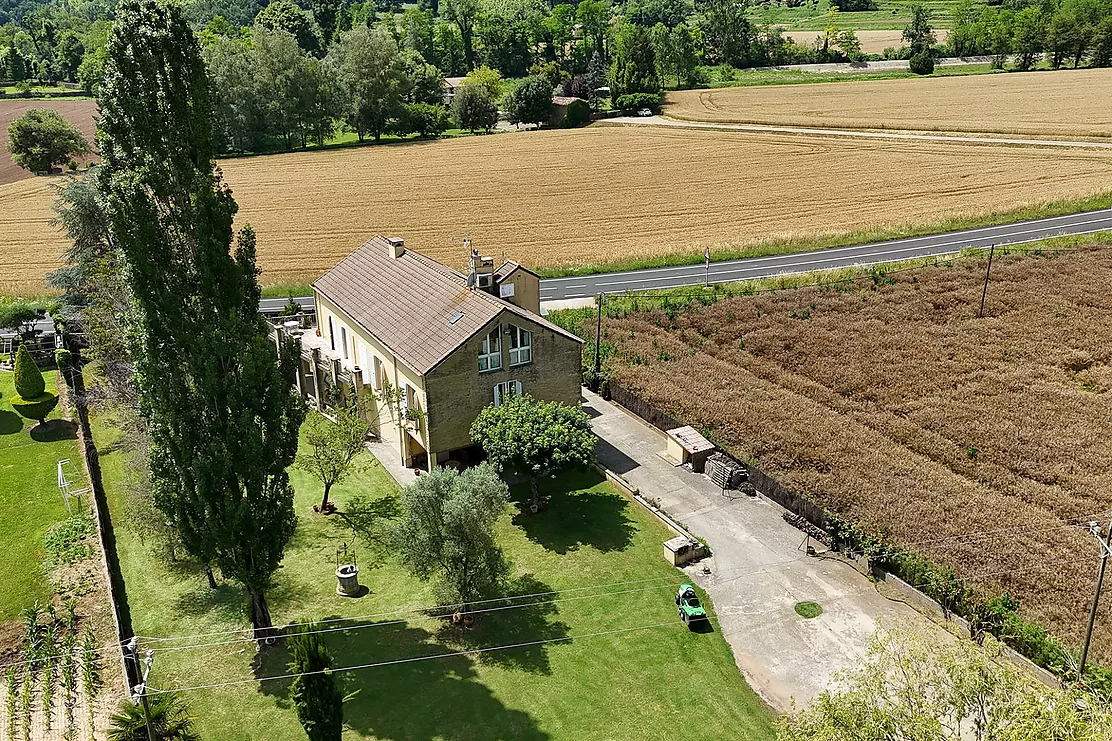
x=446, y=532
x=329, y=449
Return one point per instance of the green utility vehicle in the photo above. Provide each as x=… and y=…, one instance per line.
x=690, y=609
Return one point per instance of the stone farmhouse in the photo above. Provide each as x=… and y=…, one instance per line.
x=427, y=347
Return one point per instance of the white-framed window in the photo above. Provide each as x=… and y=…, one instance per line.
x=344, y=340
x=490, y=354
x=521, y=346
x=506, y=390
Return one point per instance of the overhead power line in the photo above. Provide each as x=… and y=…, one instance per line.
x=407, y=611
x=414, y=659
x=362, y=626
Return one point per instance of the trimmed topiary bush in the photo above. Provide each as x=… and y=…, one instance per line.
x=31, y=399
x=922, y=63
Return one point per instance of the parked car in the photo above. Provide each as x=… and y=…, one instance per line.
x=644, y=113
x=690, y=609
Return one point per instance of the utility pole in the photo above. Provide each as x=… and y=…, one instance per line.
x=988, y=270
x=1105, y=551
x=139, y=691
x=598, y=345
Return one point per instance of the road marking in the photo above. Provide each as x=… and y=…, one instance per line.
x=928, y=252
x=835, y=250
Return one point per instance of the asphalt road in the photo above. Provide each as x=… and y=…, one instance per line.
x=558, y=289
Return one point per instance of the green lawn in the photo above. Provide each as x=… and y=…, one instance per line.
x=29, y=498
x=657, y=683
x=760, y=78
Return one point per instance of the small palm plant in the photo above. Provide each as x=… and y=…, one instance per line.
x=170, y=720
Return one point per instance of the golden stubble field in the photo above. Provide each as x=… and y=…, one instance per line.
x=593, y=195
x=969, y=440
x=1066, y=103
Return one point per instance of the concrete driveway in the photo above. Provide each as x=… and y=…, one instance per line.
x=759, y=570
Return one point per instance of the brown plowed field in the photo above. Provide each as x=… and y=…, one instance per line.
x=1067, y=103
x=593, y=195
x=78, y=112
x=969, y=440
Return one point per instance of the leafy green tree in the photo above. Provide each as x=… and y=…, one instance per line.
x=417, y=31
x=1102, y=43
x=533, y=438
x=371, y=79
x=661, y=39
x=685, y=56
x=277, y=69
x=220, y=408
x=729, y=33
x=31, y=399
x=1029, y=35
x=594, y=17
x=918, y=32
x=242, y=123
x=446, y=532
x=648, y=13
x=426, y=120
x=634, y=68
x=330, y=448
x=69, y=53
x=326, y=14
x=423, y=81
x=473, y=109
x=91, y=70
x=912, y=686
x=596, y=77
x=447, y=49
x=315, y=695
x=463, y=13
x=170, y=720
x=489, y=78
x=20, y=316
x=284, y=15
x=41, y=139
x=15, y=64
x=317, y=102
x=530, y=101
x=560, y=29
x=999, y=35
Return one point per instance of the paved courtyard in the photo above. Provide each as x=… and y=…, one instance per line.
x=759, y=570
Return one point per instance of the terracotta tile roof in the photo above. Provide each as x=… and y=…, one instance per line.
x=508, y=267
x=564, y=100
x=420, y=309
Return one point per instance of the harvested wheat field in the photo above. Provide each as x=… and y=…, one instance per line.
x=894, y=404
x=1067, y=103
x=591, y=196
x=80, y=113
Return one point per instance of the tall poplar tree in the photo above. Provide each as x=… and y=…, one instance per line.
x=222, y=413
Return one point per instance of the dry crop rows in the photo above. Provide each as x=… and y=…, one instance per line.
x=896, y=405
x=1067, y=103
x=605, y=193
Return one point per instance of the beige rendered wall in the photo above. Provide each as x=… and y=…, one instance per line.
x=363, y=348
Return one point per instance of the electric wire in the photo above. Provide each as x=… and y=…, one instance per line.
x=155, y=639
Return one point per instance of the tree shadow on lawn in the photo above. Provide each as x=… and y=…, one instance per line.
x=10, y=422
x=573, y=516
x=515, y=624
x=53, y=430
x=435, y=698
x=227, y=603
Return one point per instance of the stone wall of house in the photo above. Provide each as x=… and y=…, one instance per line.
x=457, y=391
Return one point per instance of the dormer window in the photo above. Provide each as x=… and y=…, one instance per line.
x=490, y=354
x=521, y=346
